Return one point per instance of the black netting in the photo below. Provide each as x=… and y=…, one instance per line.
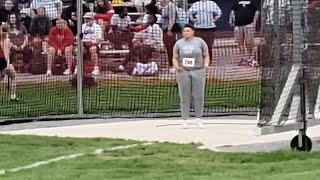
x=127, y=71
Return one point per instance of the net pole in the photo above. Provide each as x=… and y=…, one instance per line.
x=79, y=60
x=297, y=58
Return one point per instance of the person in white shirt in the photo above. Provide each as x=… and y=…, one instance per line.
x=92, y=35
x=53, y=8
x=145, y=43
x=151, y=9
x=120, y=29
x=204, y=14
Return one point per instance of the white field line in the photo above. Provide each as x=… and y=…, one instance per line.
x=72, y=156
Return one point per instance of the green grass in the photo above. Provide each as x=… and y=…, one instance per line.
x=121, y=96
x=158, y=161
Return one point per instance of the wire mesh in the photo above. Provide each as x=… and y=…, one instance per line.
x=294, y=33
x=127, y=51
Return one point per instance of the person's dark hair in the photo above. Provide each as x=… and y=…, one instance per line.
x=154, y=17
x=104, y=9
x=74, y=3
x=18, y=22
x=152, y=9
x=189, y=26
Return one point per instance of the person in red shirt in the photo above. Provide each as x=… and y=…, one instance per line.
x=61, y=42
x=103, y=14
x=6, y=68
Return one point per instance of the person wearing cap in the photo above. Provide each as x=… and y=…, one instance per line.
x=60, y=42
x=92, y=35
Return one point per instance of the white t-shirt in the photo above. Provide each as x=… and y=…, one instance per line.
x=91, y=33
x=121, y=23
x=146, y=16
x=51, y=7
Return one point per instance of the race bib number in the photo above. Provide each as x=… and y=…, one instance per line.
x=188, y=62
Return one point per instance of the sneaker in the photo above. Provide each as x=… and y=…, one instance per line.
x=243, y=62
x=121, y=67
x=96, y=72
x=49, y=73
x=200, y=124
x=67, y=72
x=185, y=125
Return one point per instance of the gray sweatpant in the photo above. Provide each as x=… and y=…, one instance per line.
x=191, y=84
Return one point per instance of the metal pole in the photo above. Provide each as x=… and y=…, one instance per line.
x=297, y=58
x=79, y=59
x=303, y=131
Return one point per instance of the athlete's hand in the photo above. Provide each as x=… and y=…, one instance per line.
x=178, y=68
x=206, y=67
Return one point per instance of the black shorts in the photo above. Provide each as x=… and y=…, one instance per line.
x=3, y=64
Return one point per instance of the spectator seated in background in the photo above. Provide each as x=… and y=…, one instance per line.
x=120, y=34
x=6, y=10
x=39, y=30
x=92, y=34
x=6, y=68
x=18, y=36
x=25, y=18
x=61, y=44
x=151, y=9
x=103, y=14
x=23, y=4
x=69, y=14
x=145, y=43
x=53, y=8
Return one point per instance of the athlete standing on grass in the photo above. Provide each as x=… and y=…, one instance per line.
x=190, y=60
x=5, y=67
x=244, y=16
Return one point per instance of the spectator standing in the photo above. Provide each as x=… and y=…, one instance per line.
x=92, y=35
x=69, y=14
x=61, y=44
x=23, y=4
x=39, y=30
x=170, y=28
x=53, y=8
x=244, y=16
x=204, y=14
x=6, y=10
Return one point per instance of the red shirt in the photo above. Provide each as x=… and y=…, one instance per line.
x=60, y=39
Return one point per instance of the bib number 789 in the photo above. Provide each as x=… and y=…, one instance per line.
x=188, y=62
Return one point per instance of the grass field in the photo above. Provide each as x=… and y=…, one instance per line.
x=121, y=96
x=157, y=161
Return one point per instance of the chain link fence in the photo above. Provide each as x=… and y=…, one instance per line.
x=122, y=57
